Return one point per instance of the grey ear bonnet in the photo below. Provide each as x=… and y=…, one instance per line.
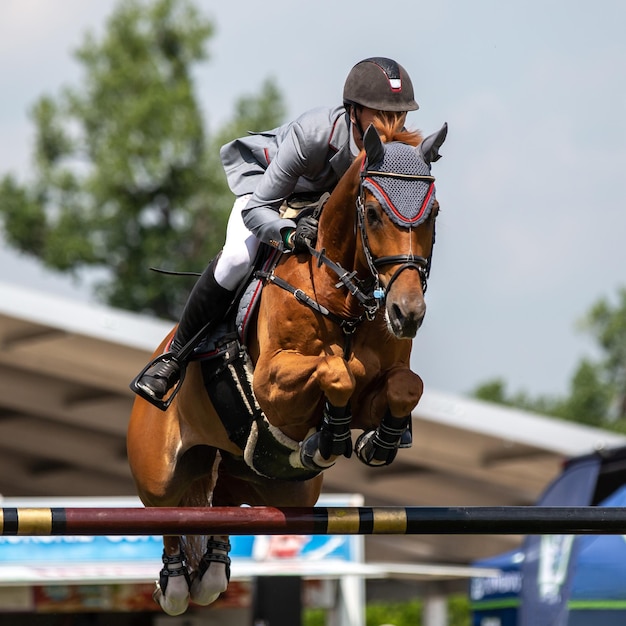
x=398, y=175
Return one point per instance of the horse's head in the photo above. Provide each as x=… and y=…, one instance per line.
x=397, y=211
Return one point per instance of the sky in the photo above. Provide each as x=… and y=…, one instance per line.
x=532, y=181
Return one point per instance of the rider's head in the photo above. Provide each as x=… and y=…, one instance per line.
x=377, y=86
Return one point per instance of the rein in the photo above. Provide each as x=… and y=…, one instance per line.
x=347, y=279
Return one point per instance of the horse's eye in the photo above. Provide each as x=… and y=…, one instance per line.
x=372, y=215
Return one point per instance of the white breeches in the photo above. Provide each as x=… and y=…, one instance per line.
x=239, y=249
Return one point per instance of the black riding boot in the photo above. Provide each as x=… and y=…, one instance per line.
x=208, y=301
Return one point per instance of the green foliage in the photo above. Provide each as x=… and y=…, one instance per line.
x=125, y=176
x=597, y=391
x=459, y=612
x=24, y=217
x=607, y=323
x=589, y=398
x=314, y=617
x=254, y=112
x=400, y=613
x=396, y=613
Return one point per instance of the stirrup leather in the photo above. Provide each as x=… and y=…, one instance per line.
x=165, y=402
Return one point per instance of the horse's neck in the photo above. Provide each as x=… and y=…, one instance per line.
x=337, y=232
x=338, y=237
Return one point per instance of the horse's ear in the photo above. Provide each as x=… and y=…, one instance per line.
x=373, y=144
x=430, y=146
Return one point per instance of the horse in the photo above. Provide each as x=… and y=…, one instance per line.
x=328, y=352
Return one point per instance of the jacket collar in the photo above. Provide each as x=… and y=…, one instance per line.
x=340, y=142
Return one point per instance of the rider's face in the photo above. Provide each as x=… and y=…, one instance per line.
x=364, y=116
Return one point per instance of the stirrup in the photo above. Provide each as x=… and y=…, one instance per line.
x=165, y=402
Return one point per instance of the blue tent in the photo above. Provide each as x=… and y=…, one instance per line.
x=498, y=598
x=589, y=590
x=599, y=584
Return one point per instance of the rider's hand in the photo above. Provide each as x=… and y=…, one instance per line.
x=305, y=233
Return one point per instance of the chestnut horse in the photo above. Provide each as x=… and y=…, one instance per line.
x=331, y=359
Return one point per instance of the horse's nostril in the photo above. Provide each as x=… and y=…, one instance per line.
x=405, y=321
x=407, y=314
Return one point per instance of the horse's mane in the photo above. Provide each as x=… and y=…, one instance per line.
x=391, y=128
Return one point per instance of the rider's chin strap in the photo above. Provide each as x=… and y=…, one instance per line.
x=357, y=122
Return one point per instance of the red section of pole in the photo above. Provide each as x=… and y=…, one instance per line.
x=187, y=521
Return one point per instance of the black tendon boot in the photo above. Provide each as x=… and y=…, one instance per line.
x=207, y=303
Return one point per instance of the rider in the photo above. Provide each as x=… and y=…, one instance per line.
x=309, y=154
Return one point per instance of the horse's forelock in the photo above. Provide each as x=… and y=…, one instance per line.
x=392, y=129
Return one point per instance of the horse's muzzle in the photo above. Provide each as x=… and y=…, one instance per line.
x=405, y=316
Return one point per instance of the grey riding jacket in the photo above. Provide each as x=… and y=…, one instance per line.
x=307, y=155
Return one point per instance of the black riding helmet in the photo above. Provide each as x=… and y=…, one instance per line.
x=380, y=83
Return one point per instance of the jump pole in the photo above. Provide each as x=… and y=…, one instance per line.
x=314, y=521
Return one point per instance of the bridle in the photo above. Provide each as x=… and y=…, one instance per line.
x=405, y=261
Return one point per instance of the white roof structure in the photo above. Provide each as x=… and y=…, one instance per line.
x=64, y=405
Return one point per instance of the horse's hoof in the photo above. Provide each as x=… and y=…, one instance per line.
x=213, y=572
x=371, y=454
x=172, y=588
x=206, y=590
x=310, y=456
x=169, y=603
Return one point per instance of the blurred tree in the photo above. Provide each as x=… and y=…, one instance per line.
x=606, y=321
x=495, y=391
x=124, y=175
x=597, y=393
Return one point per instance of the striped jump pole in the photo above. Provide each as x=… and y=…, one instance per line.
x=314, y=521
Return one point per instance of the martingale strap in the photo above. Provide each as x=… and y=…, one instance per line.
x=348, y=326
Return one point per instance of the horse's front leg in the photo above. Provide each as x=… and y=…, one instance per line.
x=289, y=388
x=403, y=391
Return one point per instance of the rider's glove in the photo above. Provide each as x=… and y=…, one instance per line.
x=305, y=233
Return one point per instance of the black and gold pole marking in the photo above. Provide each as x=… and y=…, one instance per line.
x=32, y=521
